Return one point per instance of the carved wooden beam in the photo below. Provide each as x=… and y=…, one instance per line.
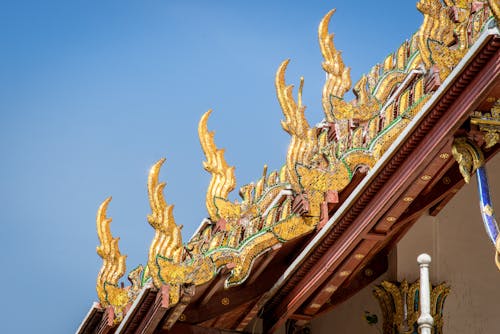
x=156, y=312
x=363, y=277
x=107, y=325
x=175, y=313
x=223, y=301
x=137, y=313
x=184, y=328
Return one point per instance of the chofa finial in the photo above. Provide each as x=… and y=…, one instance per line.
x=223, y=180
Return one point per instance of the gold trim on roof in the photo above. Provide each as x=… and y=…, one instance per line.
x=287, y=204
x=495, y=8
x=113, y=264
x=303, y=138
x=437, y=34
x=338, y=78
x=468, y=156
x=338, y=82
x=223, y=180
x=167, y=241
x=489, y=124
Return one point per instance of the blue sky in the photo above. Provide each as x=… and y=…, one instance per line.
x=92, y=93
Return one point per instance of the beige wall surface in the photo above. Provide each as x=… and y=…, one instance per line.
x=349, y=316
x=462, y=256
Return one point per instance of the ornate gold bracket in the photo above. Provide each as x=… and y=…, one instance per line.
x=471, y=160
x=489, y=124
x=399, y=302
x=468, y=156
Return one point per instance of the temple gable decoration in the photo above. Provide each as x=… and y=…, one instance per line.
x=321, y=162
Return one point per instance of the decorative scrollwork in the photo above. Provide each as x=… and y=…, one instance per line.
x=399, y=302
x=303, y=138
x=468, y=156
x=113, y=265
x=495, y=8
x=223, y=180
x=167, y=241
x=338, y=77
x=489, y=124
x=436, y=35
x=338, y=82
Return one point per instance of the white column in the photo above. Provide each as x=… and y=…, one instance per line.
x=425, y=321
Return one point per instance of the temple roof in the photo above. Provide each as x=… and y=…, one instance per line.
x=307, y=236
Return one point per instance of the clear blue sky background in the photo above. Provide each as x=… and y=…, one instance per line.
x=92, y=93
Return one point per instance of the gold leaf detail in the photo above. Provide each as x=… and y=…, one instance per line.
x=113, y=265
x=445, y=58
x=291, y=228
x=227, y=209
x=338, y=82
x=167, y=241
x=223, y=180
x=491, y=137
x=323, y=180
x=468, y=157
x=366, y=106
x=304, y=139
x=488, y=210
x=495, y=8
x=399, y=310
x=444, y=156
x=435, y=35
x=338, y=79
x=198, y=272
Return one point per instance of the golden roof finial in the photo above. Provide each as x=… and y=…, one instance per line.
x=223, y=180
x=167, y=241
x=113, y=262
x=295, y=121
x=338, y=82
x=338, y=79
x=435, y=35
x=304, y=138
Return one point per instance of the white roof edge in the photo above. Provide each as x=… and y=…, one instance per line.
x=135, y=304
x=93, y=308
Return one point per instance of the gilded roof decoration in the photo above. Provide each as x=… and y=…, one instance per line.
x=113, y=265
x=468, y=156
x=286, y=204
x=303, y=138
x=338, y=77
x=338, y=82
x=167, y=242
x=495, y=8
x=489, y=124
x=399, y=302
x=223, y=180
